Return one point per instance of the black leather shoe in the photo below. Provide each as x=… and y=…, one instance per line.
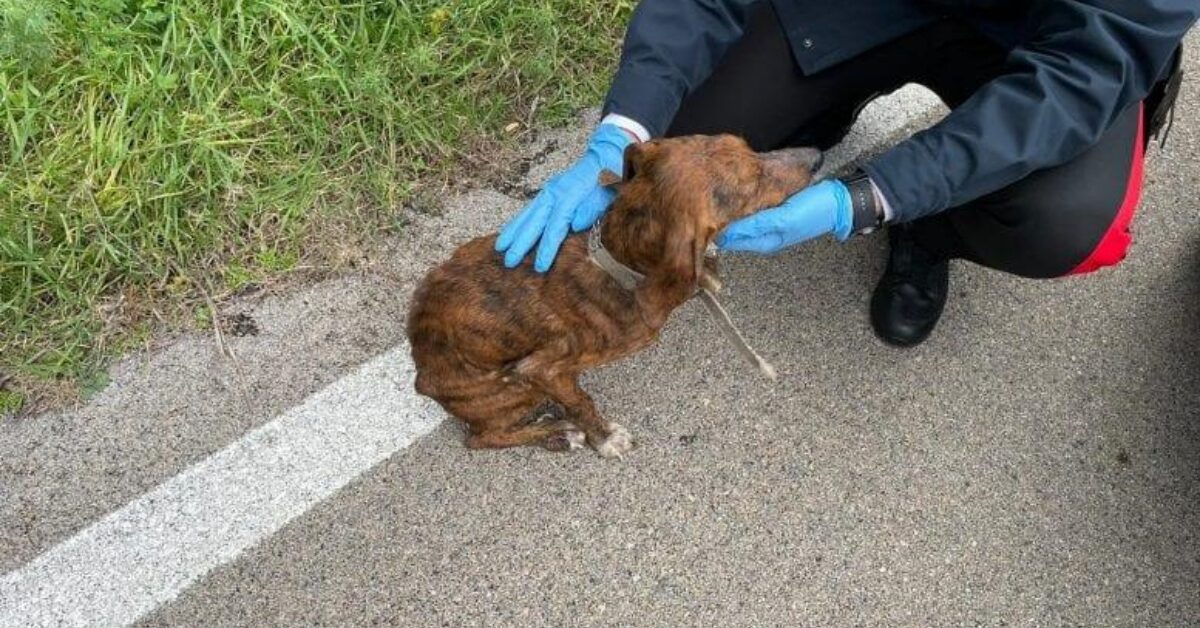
x=909, y=298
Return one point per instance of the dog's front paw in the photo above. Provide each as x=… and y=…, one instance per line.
x=618, y=442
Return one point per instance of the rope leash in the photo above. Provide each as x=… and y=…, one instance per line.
x=629, y=279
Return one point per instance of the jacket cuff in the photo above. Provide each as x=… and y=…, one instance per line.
x=647, y=98
x=910, y=187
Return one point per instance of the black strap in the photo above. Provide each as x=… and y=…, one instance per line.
x=868, y=214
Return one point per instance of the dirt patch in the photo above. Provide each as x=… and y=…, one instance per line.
x=240, y=325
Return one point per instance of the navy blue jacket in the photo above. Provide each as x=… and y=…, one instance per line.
x=1075, y=65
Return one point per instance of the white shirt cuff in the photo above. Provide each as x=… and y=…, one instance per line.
x=887, y=207
x=628, y=124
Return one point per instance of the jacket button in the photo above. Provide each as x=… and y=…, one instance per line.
x=808, y=43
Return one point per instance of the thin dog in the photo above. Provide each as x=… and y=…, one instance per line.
x=502, y=350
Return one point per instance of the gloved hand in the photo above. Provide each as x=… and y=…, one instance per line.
x=811, y=212
x=572, y=199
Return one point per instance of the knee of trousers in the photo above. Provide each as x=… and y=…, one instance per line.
x=1070, y=219
x=1046, y=239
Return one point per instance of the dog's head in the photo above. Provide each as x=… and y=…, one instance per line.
x=676, y=194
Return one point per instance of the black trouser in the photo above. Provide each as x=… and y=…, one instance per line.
x=1070, y=218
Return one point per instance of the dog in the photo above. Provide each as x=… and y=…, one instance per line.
x=503, y=349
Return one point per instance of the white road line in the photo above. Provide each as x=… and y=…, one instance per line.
x=144, y=554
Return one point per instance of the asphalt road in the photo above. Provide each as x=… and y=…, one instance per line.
x=1036, y=462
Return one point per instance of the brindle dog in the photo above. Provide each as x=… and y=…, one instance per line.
x=503, y=349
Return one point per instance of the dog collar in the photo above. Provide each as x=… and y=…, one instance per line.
x=624, y=275
x=629, y=279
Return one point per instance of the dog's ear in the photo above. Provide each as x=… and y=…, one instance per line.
x=639, y=156
x=680, y=270
x=685, y=247
x=608, y=178
x=635, y=160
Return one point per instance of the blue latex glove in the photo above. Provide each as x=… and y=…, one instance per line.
x=810, y=213
x=571, y=200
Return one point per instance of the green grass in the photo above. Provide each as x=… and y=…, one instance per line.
x=149, y=147
x=10, y=403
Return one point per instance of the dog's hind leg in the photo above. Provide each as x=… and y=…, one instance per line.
x=557, y=436
x=608, y=438
x=544, y=371
x=512, y=415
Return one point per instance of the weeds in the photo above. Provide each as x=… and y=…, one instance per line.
x=151, y=146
